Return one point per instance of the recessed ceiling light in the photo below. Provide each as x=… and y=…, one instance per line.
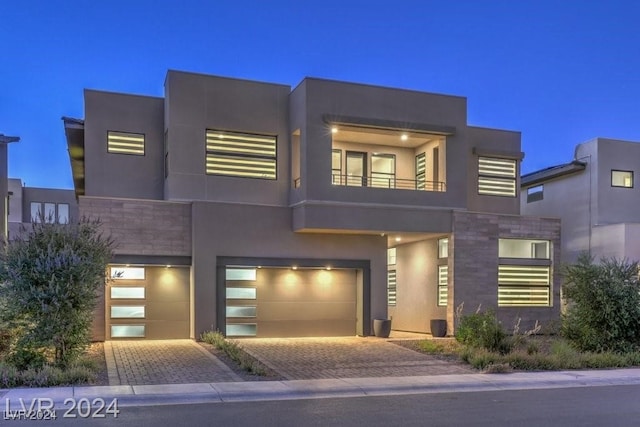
x=295, y=267
x=404, y=137
x=328, y=268
x=168, y=266
x=334, y=129
x=398, y=239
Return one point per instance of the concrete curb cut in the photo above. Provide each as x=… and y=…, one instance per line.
x=171, y=394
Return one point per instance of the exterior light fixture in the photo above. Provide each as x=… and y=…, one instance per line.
x=404, y=137
x=334, y=129
x=295, y=267
x=168, y=266
x=328, y=268
x=398, y=239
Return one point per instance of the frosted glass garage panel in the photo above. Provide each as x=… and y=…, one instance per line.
x=242, y=329
x=127, y=273
x=129, y=292
x=241, y=274
x=127, y=312
x=127, y=331
x=241, y=293
x=241, y=311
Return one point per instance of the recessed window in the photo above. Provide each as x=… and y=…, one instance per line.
x=391, y=287
x=523, y=248
x=336, y=167
x=383, y=170
x=128, y=292
x=63, y=213
x=622, y=179
x=535, y=193
x=520, y=285
x=127, y=331
x=391, y=256
x=496, y=177
x=125, y=143
x=241, y=154
x=443, y=248
x=50, y=212
x=127, y=273
x=127, y=311
x=443, y=289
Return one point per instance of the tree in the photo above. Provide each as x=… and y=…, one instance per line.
x=51, y=274
x=603, y=313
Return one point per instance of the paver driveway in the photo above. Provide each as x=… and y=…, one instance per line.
x=345, y=357
x=163, y=362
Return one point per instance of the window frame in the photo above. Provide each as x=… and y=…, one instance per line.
x=123, y=133
x=392, y=295
x=390, y=176
x=238, y=155
x=337, y=181
x=41, y=211
x=439, y=285
x=535, y=196
x=622, y=171
x=498, y=177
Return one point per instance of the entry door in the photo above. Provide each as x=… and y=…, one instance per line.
x=356, y=168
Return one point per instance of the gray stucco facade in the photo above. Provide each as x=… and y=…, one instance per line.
x=282, y=204
x=599, y=214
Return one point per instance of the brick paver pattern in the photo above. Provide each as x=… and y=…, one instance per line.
x=348, y=357
x=166, y=362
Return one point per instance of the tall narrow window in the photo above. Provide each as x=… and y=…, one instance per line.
x=443, y=290
x=436, y=169
x=36, y=211
x=443, y=248
x=496, y=177
x=63, y=213
x=356, y=168
x=125, y=143
x=241, y=154
x=391, y=287
x=383, y=170
x=421, y=171
x=336, y=167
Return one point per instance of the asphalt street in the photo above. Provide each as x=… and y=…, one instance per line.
x=583, y=406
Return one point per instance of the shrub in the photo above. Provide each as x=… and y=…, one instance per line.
x=24, y=357
x=234, y=351
x=603, y=313
x=483, y=330
x=50, y=275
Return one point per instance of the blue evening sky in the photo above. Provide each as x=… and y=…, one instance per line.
x=561, y=71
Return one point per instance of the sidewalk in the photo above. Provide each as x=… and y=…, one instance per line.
x=166, y=394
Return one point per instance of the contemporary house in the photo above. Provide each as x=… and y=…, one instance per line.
x=29, y=204
x=262, y=210
x=5, y=140
x=595, y=196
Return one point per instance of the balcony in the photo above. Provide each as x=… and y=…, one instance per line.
x=387, y=182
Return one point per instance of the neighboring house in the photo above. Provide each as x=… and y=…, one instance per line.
x=264, y=211
x=5, y=140
x=595, y=196
x=29, y=204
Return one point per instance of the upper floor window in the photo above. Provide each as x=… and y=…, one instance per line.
x=496, y=177
x=50, y=212
x=241, y=154
x=125, y=143
x=383, y=170
x=535, y=193
x=622, y=179
x=443, y=248
x=391, y=256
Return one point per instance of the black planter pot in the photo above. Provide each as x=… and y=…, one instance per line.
x=438, y=328
x=382, y=328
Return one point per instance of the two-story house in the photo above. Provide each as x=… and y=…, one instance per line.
x=264, y=211
x=595, y=196
x=29, y=204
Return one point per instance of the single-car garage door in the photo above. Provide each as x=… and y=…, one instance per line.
x=286, y=302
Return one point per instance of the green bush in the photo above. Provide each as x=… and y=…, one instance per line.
x=483, y=330
x=234, y=351
x=603, y=311
x=24, y=358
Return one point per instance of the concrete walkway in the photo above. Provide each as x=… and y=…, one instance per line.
x=163, y=362
x=345, y=357
x=311, y=389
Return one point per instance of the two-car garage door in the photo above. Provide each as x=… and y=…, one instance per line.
x=289, y=302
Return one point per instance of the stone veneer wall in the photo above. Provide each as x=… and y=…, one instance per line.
x=474, y=282
x=142, y=227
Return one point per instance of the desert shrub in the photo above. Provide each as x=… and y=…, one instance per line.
x=234, y=351
x=50, y=276
x=8, y=376
x=24, y=357
x=483, y=330
x=603, y=312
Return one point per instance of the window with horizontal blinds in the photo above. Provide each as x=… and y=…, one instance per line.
x=391, y=287
x=421, y=171
x=496, y=177
x=443, y=290
x=520, y=285
x=241, y=154
x=125, y=143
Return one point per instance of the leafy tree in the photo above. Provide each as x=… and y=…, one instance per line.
x=603, y=312
x=50, y=277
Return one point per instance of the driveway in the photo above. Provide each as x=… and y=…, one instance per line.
x=163, y=362
x=345, y=357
